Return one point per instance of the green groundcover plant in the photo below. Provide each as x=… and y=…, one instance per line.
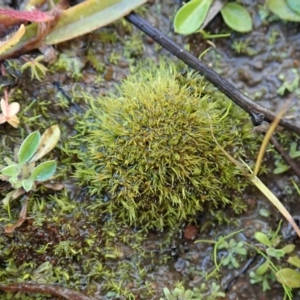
x=147, y=153
x=192, y=15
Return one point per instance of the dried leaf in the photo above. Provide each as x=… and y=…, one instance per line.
x=22, y=218
x=213, y=11
x=54, y=186
x=48, y=141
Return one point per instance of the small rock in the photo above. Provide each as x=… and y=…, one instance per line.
x=190, y=232
x=259, y=65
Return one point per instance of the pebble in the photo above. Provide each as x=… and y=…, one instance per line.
x=190, y=232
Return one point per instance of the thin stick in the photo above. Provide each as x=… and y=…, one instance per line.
x=222, y=84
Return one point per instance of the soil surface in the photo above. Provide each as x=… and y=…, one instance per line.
x=105, y=262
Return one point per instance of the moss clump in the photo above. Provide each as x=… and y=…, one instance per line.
x=147, y=154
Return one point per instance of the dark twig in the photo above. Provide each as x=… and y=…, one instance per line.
x=285, y=156
x=222, y=84
x=244, y=269
x=41, y=288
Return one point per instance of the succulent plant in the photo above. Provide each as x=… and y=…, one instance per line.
x=147, y=153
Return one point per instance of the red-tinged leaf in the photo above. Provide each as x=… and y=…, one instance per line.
x=32, y=16
x=22, y=218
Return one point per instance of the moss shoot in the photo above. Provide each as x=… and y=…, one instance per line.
x=147, y=153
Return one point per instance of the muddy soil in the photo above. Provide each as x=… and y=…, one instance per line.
x=264, y=64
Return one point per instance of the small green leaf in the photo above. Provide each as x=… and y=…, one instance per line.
x=27, y=184
x=235, y=263
x=15, y=182
x=226, y=260
x=166, y=291
x=294, y=5
x=12, y=170
x=294, y=260
x=264, y=212
x=275, y=252
x=288, y=248
x=236, y=17
x=280, y=167
x=29, y=147
x=282, y=10
x=262, y=269
x=262, y=238
x=293, y=150
x=289, y=278
x=190, y=17
x=43, y=171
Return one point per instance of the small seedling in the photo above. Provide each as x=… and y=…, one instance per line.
x=281, y=166
x=206, y=291
x=192, y=15
x=235, y=251
x=37, y=69
x=22, y=172
x=273, y=267
x=263, y=276
x=232, y=246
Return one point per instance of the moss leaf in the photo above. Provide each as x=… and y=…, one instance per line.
x=236, y=17
x=191, y=16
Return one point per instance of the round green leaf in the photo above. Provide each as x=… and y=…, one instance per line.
x=282, y=10
x=12, y=170
x=27, y=184
x=289, y=278
x=294, y=5
x=29, y=147
x=294, y=260
x=288, y=248
x=236, y=17
x=262, y=238
x=44, y=171
x=262, y=269
x=190, y=17
x=275, y=252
